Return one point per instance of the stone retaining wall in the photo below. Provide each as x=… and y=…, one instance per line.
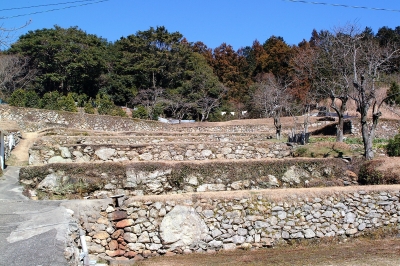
x=158, y=152
x=39, y=119
x=30, y=120
x=148, y=178
x=142, y=138
x=151, y=226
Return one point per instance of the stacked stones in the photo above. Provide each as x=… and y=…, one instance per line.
x=158, y=152
x=39, y=119
x=145, y=226
x=148, y=227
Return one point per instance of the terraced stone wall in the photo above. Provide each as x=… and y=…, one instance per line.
x=99, y=180
x=150, y=226
x=30, y=119
x=157, y=152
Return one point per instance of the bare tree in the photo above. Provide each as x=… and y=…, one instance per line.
x=178, y=105
x=209, y=101
x=14, y=73
x=271, y=98
x=209, y=95
x=7, y=35
x=149, y=98
x=14, y=70
x=350, y=63
x=304, y=80
x=369, y=61
x=334, y=70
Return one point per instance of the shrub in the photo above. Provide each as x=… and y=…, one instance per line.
x=104, y=104
x=50, y=100
x=24, y=98
x=18, y=98
x=67, y=103
x=393, y=146
x=300, y=152
x=32, y=99
x=88, y=107
x=80, y=99
x=394, y=94
x=139, y=112
x=369, y=174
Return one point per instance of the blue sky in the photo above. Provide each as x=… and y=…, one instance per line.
x=235, y=22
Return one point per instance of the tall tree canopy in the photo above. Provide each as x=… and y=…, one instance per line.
x=67, y=60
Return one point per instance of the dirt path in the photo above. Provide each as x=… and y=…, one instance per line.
x=20, y=155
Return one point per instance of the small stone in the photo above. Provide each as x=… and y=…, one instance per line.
x=246, y=246
x=350, y=217
x=135, y=246
x=229, y=246
x=130, y=254
x=308, y=233
x=238, y=239
x=351, y=231
x=242, y=231
x=139, y=257
x=169, y=254
x=285, y=235
x=117, y=233
x=130, y=237
x=144, y=237
x=114, y=253
x=119, y=215
x=113, y=245
x=146, y=253
x=102, y=220
x=101, y=235
x=216, y=232
x=362, y=226
x=124, y=223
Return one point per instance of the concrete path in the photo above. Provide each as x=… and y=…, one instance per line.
x=32, y=233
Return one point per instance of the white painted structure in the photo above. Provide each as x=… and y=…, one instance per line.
x=2, y=148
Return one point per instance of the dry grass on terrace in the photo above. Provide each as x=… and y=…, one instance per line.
x=283, y=194
x=360, y=252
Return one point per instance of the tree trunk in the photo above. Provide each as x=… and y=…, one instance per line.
x=278, y=125
x=306, y=119
x=339, y=129
x=340, y=110
x=367, y=141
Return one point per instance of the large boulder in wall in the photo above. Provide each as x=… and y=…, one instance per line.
x=182, y=227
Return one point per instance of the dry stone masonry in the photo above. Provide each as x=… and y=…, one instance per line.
x=142, y=228
x=157, y=189
x=151, y=178
x=39, y=119
x=157, y=152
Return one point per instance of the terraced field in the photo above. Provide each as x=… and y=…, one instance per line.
x=201, y=161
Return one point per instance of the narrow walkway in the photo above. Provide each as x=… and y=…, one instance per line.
x=31, y=232
x=20, y=154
